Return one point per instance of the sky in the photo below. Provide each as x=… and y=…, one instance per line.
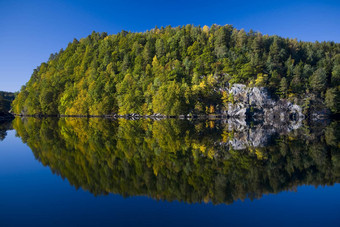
x=33, y=29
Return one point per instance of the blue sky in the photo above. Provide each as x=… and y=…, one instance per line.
x=31, y=30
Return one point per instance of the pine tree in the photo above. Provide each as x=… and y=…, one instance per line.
x=318, y=80
x=283, y=87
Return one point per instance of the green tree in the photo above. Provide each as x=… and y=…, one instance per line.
x=220, y=43
x=318, y=80
x=336, y=75
x=129, y=96
x=332, y=99
x=170, y=99
x=283, y=87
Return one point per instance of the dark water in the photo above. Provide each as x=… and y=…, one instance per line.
x=97, y=172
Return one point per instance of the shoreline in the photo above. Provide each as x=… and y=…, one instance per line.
x=130, y=116
x=158, y=116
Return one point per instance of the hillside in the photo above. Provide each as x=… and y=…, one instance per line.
x=179, y=70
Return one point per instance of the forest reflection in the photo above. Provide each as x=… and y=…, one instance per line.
x=4, y=127
x=171, y=159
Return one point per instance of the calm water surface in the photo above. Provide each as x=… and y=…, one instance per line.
x=91, y=172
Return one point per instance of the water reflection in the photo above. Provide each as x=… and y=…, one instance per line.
x=181, y=160
x=4, y=127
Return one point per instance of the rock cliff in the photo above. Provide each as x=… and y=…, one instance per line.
x=256, y=104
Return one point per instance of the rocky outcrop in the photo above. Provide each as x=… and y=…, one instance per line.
x=256, y=104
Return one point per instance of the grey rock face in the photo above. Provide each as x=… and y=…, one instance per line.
x=259, y=97
x=255, y=103
x=237, y=110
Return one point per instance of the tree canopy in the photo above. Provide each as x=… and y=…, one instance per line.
x=177, y=70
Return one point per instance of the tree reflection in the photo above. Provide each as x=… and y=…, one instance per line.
x=4, y=126
x=180, y=160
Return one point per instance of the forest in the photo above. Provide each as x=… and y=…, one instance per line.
x=179, y=70
x=173, y=159
x=6, y=98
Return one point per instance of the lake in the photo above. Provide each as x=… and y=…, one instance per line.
x=170, y=172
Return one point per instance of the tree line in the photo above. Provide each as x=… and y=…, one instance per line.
x=179, y=70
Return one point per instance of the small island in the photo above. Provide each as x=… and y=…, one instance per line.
x=169, y=113
x=186, y=70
